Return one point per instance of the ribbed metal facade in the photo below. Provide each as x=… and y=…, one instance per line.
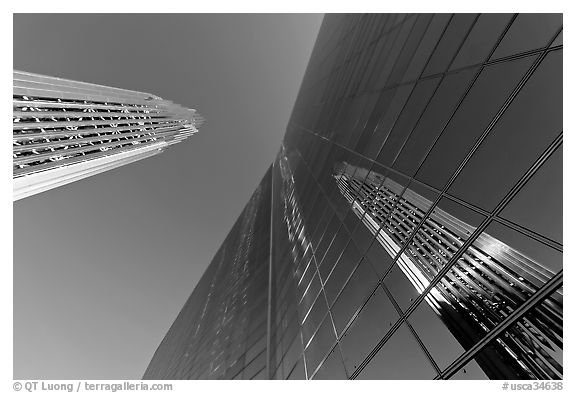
x=66, y=130
x=413, y=215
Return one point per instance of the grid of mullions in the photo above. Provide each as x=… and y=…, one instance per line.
x=326, y=131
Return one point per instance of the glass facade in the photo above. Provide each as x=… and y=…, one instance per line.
x=410, y=226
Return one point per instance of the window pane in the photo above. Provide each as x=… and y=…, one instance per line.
x=392, y=56
x=402, y=290
x=313, y=319
x=406, y=121
x=362, y=237
x=426, y=47
x=379, y=258
x=373, y=322
x=535, y=118
x=400, y=358
x=298, y=371
x=320, y=345
x=436, y=337
x=487, y=95
x=342, y=271
x=529, y=31
x=538, y=206
x=482, y=39
x=311, y=293
x=449, y=43
x=470, y=371
x=384, y=119
x=433, y=120
x=409, y=49
x=361, y=284
x=333, y=253
x=533, y=254
x=558, y=40
x=332, y=368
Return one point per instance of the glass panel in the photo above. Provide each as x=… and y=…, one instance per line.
x=409, y=49
x=341, y=272
x=407, y=120
x=470, y=371
x=320, y=345
x=386, y=116
x=436, y=337
x=311, y=293
x=433, y=120
x=332, y=368
x=314, y=317
x=538, y=205
x=293, y=354
x=529, y=31
x=334, y=252
x=535, y=118
x=481, y=39
x=426, y=47
x=449, y=43
x=372, y=323
x=558, y=40
x=487, y=95
x=535, y=255
x=400, y=358
x=329, y=234
x=363, y=238
x=392, y=56
x=298, y=371
x=361, y=284
x=379, y=258
x=403, y=291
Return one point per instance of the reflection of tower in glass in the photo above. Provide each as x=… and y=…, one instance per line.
x=487, y=283
x=66, y=130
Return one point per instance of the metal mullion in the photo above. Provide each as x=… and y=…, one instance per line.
x=41, y=103
x=72, y=160
x=75, y=89
x=163, y=133
x=63, y=124
x=74, y=150
x=37, y=78
x=55, y=94
x=65, y=115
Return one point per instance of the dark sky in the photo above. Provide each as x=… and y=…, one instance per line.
x=102, y=266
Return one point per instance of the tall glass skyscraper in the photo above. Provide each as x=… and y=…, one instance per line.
x=411, y=224
x=65, y=130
